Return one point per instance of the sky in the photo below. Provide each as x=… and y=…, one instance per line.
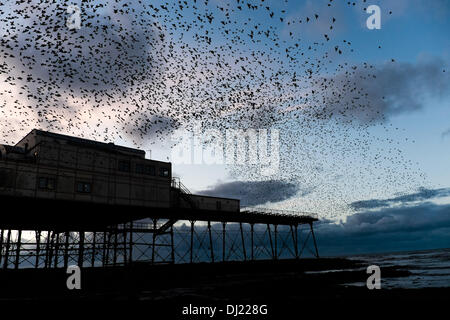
x=375, y=172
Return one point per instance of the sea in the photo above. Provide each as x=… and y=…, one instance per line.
x=429, y=268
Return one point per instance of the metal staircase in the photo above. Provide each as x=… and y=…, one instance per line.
x=183, y=192
x=143, y=227
x=163, y=228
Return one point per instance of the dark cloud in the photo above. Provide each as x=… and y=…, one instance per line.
x=252, y=193
x=367, y=93
x=421, y=195
x=424, y=226
x=109, y=50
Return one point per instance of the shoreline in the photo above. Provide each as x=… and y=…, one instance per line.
x=286, y=281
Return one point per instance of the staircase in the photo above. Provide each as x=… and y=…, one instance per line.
x=144, y=227
x=183, y=192
x=165, y=226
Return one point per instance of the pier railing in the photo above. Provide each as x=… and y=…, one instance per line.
x=279, y=212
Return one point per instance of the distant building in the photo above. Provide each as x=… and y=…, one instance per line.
x=45, y=165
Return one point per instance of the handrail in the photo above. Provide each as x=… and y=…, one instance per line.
x=140, y=225
x=278, y=212
x=176, y=183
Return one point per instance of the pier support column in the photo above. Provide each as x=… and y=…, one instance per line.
x=125, y=251
x=56, y=250
x=314, y=239
x=94, y=235
x=192, y=241
x=224, y=224
x=294, y=240
x=270, y=239
x=19, y=243
x=154, y=240
x=1, y=245
x=172, y=246
x=211, y=248
x=276, y=243
x=104, y=250
x=131, y=243
x=66, y=249
x=8, y=243
x=251, y=241
x=81, y=250
x=116, y=230
x=243, y=242
x=50, y=254
x=47, y=251
x=108, y=243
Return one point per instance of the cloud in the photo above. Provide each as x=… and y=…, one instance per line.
x=422, y=227
x=90, y=81
x=425, y=226
x=252, y=193
x=366, y=93
x=421, y=195
x=108, y=51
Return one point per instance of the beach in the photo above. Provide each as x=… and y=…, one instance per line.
x=278, y=284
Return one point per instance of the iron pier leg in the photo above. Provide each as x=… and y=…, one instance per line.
x=47, y=250
x=108, y=242
x=294, y=240
x=276, y=243
x=243, y=242
x=211, y=248
x=66, y=249
x=19, y=240
x=172, y=245
x=131, y=242
x=223, y=240
x=8, y=243
x=116, y=230
x=50, y=254
x=314, y=239
x=104, y=253
x=125, y=258
x=192, y=241
x=251, y=237
x=94, y=235
x=270, y=239
x=56, y=250
x=81, y=250
x=1, y=245
x=154, y=241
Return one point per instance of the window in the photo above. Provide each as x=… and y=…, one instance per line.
x=140, y=168
x=46, y=183
x=143, y=169
x=124, y=166
x=150, y=170
x=43, y=183
x=219, y=205
x=164, y=172
x=50, y=184
x=84, y=187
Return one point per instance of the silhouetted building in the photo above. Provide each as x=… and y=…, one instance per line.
x=55, y=166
